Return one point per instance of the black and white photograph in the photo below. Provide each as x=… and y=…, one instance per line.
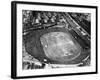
x=52, y=39
x=56, y=39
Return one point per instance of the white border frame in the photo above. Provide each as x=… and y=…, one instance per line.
x=76, y=70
